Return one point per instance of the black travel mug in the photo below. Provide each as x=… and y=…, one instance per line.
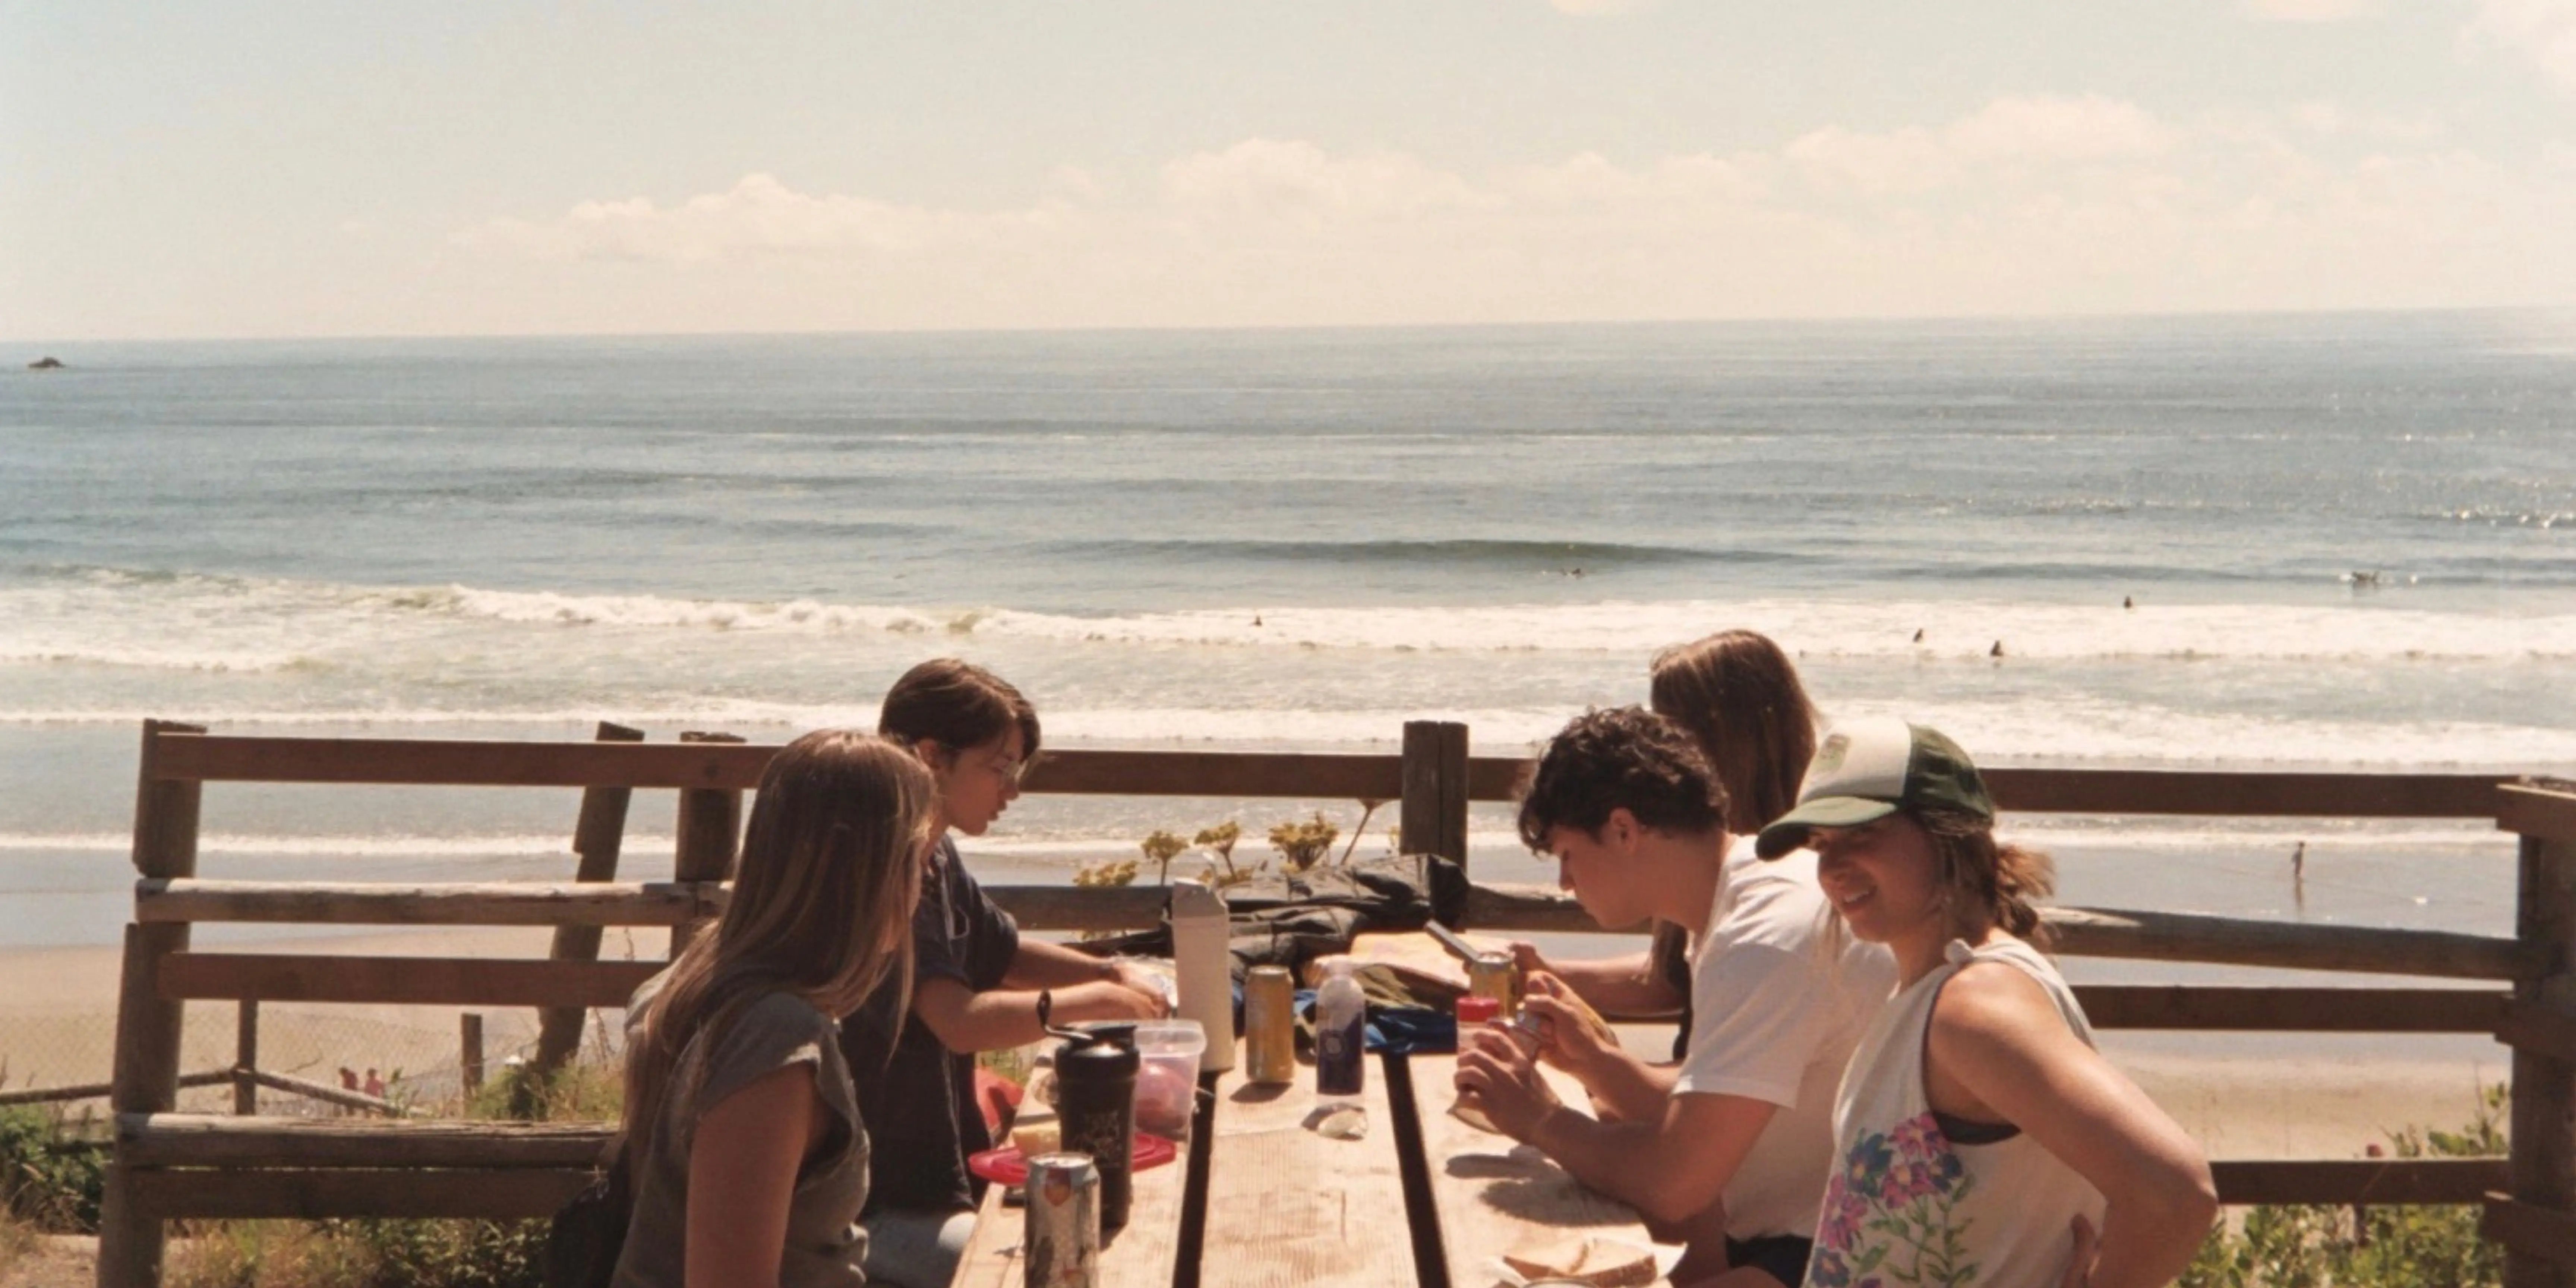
x=1095, y=1081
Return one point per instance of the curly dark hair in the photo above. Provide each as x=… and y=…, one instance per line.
x=1621, y=758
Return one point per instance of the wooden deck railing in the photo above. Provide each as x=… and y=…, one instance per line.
x=187, y=1165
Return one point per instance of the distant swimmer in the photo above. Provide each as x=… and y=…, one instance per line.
x=1997, y=650
x=1918, y=634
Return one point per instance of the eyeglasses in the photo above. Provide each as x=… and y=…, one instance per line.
x=1008, y=770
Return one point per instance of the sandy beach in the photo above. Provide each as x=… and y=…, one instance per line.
x=57, y=1027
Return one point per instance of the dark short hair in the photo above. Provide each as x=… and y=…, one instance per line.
x=957, y=705
x=1621, y=758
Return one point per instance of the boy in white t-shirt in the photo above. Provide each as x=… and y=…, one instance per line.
x=1733, y=1148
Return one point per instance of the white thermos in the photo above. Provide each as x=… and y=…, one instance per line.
x=1204, y=971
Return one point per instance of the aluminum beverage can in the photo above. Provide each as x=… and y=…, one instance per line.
x=1269, y=1026
x=1492, y=975
x=1061, y=1247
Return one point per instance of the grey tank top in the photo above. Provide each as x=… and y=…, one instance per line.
x=824, y=1242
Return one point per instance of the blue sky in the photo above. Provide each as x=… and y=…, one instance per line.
x=272, y=168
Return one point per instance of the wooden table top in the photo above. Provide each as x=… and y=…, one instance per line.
x=1421, y=1200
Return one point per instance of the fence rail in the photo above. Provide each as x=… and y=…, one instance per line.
x=193, y=1165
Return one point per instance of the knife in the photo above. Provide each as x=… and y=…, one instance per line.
x=1453, y=941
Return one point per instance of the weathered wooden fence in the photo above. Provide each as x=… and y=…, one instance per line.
x=173, y=1165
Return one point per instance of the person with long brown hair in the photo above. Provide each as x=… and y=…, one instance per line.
x=748, y=1156
x=1978, y=1133
x=978, y=985
x=1738, y=696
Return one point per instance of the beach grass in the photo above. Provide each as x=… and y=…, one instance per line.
x=399, y=1253
x=17, y=1243
x=52, y=1173
x=2392, y=1246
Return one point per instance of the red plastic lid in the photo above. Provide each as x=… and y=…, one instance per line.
x=1478, y=1010
x=1006, y=1166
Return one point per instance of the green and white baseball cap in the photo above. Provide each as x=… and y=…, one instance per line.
x=1865, y=770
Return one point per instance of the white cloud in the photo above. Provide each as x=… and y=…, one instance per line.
x=2028, y=204
x=2543, y=31
x=2007, y=131
x=2305, y=10
x=757, y=216
x=2091, y=128
x=1266, y=180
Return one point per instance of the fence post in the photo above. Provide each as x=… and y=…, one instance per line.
x=2542, y=1160
x=1434, y=817
x=710, y=827
x=469, y=1041
x=246, y=1058
x=598, y=835
x=146, y=1071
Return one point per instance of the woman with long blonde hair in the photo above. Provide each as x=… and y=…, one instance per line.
x=747, y=1152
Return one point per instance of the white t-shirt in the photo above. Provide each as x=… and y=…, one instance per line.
x=1779, y=997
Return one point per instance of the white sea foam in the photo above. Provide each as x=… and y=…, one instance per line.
x=252, y=624
x=1827, y=628
x=2051, y=730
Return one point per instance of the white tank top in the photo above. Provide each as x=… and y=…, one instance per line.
x=1909, y=1204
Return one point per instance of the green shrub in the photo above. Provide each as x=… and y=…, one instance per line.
x=378, y=1253
x=49, y=1178
x=2387, y=1246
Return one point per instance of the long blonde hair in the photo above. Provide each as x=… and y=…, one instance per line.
x=822, y=904
x=1739, y=697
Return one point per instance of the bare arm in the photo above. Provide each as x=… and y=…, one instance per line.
x=742, y=1173
x=1039, y=964
x=1669, y=1167
x=1626, y=987
x=1621, y=1085
x=966, y=1021
x=1999, y=1052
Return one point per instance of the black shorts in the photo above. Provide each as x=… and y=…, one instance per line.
x=1782, y=1256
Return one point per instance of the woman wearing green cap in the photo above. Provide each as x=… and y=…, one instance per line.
x=1978, y=1131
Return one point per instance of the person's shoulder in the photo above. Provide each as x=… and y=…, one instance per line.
x=1992, y=1002
x=784, y=1013
x=1770, y=900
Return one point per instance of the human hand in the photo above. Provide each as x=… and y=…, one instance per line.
x=1527, y=959
x=1572, y=1036
x=1106, y=999
x=1148, y=981
x=2079, y=1272
x=1505, y=1082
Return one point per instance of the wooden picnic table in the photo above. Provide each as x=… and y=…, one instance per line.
x=1260, y=1200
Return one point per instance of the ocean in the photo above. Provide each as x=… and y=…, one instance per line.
x=2343, y=541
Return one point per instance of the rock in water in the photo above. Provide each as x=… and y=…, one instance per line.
x=46, y=364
